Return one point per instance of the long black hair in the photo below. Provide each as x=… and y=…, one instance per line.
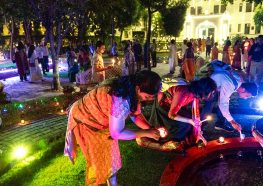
x=149, y=82
x=30, y=51
x=203, y=87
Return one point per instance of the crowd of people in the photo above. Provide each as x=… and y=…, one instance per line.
x=97, y=121
x=28, y=58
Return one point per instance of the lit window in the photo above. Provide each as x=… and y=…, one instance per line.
x=192, y=11
x=247, y=28
x=248, y=7
x=240, y=7
x=199, y=10
x=216, y=9
x=239, y=28
x=223, y=8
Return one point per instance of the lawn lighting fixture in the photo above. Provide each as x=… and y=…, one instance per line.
x=22, y=121
x=61, y=110
x=163, y=132
x=221, y=139
x=19, y=152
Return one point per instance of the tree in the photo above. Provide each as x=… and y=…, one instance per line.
x=56, y=16
x=258, y=17
x=250, y=1
x=14, y=13
x=127, y=13
x=152, y=6
x=174, y=17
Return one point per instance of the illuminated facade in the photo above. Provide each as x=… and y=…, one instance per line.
x=204, y=18
x=211, y=18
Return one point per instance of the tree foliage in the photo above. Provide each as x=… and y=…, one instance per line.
x=249, y=1
x=151, y=6
x=174, y=17
x=258, y=17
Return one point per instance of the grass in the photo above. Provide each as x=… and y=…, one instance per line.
x=140, y=167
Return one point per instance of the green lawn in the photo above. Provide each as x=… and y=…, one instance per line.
x=140, y=167
x=50, y=168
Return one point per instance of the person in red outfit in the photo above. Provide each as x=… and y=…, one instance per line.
x=21, y=62
x=165, y=111
x=237, y=55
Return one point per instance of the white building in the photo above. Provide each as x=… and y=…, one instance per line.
x=211, y=18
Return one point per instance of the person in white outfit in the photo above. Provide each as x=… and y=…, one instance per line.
x=40, y=56
x=45, y=57
x=98, y=68
x=173, y=60
x=227, y=83
x=35, y=71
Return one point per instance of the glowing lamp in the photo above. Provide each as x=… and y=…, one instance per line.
x=113, y=61
x=19, y=152
x=242, y=136
x=22, y=121
x=163, y=132
x=260, y=103
x=57, y=103
x=208, y=118
x=221, y=139
x=20, y=106
x=61, y=110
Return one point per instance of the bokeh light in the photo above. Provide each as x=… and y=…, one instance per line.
x=19, y=152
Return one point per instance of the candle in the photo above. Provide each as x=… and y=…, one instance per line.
x=208, y=118
x=163, y=132
x=113, y=61
x=242, y=136
x=221, y=139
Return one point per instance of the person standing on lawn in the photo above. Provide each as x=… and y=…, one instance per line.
x=97, y=121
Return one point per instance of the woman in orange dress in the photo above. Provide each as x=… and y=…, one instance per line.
x=226, y=53
x=214, y=54
x=97, y=121
x=237, y=55
x=189, y=62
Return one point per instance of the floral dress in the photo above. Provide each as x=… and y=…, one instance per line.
x=88, y=126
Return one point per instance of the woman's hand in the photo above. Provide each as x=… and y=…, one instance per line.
x=236, y=125
x=151, y=133
x=191, y=122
